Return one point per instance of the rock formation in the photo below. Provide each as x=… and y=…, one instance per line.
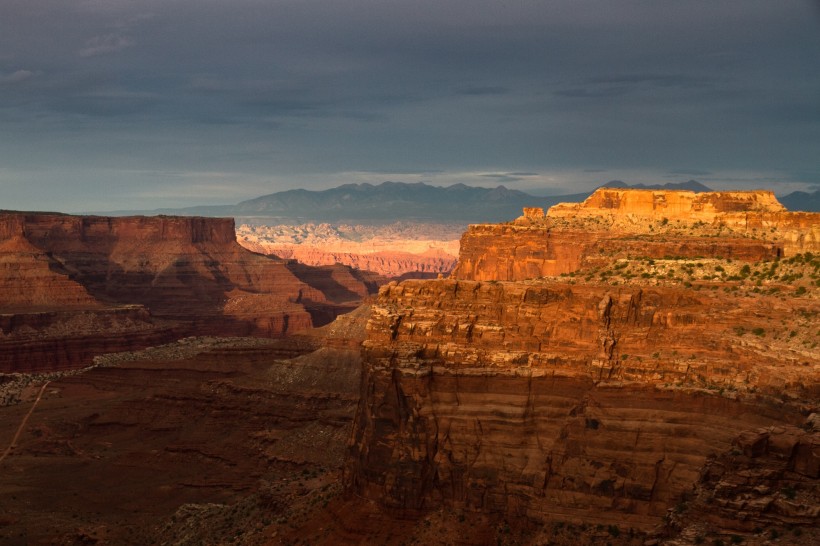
x=590, y=365
x=617, y=223
x=392, y=250
x=643, y=397
x=142, y=280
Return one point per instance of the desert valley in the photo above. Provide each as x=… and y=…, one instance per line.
x=637, y=367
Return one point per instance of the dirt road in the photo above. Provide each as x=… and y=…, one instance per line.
x=13, y=443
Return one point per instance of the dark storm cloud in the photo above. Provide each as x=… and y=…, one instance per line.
x=484, y=90
x=298, y=91
x=502, y=178
x=410, y=172
x=615, y=85
x=509, y=178
x=690, y=172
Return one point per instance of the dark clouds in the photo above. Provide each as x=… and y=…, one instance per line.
x=126, y=103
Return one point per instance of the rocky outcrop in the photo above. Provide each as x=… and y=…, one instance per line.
x=750, y=214
x=576, y=398
x=766, y=481
x=612, y=224
x=186, y=271
x=682, y=204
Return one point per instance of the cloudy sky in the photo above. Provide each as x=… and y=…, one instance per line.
x=124, y=104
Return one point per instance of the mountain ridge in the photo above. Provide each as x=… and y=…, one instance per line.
x=418, y=201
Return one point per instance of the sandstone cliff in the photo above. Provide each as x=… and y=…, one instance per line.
x=600, y=396
x=188, y=274
x=611, y=224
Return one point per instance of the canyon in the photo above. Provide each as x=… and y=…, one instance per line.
x=397, y=250
x=77, y=286
x=640, y=368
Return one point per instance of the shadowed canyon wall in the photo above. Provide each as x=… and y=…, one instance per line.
x=185, y=275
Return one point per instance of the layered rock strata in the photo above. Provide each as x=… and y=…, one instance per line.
x=386, y=263
x=546, y=399
x=611, y=224
x=186, y=272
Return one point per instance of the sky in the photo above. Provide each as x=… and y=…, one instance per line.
x=135, y=104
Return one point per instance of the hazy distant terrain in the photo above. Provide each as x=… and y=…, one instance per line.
x=389, y=202
x=800, y=200
x=417, y=245
x=392, y=250
x=379, y=204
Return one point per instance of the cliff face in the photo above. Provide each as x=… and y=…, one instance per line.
x=577, y=398
x=179, y=267
x=611, y=224
x=510, y=252
x=388, y=264
x=550, y=402
x=749, y=214
x=686, y=205
x=189, y=271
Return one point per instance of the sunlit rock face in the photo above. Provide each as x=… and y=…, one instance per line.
x=511, y=390
x=611, y=224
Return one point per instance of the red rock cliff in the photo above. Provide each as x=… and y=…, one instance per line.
x=186, y=270
x=749, y=226
x=557, y=402
x=585, y=400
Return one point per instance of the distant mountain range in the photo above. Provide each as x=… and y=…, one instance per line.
x=800, y=200
x=691, y=185
x=392, y=201
x=383, y=203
